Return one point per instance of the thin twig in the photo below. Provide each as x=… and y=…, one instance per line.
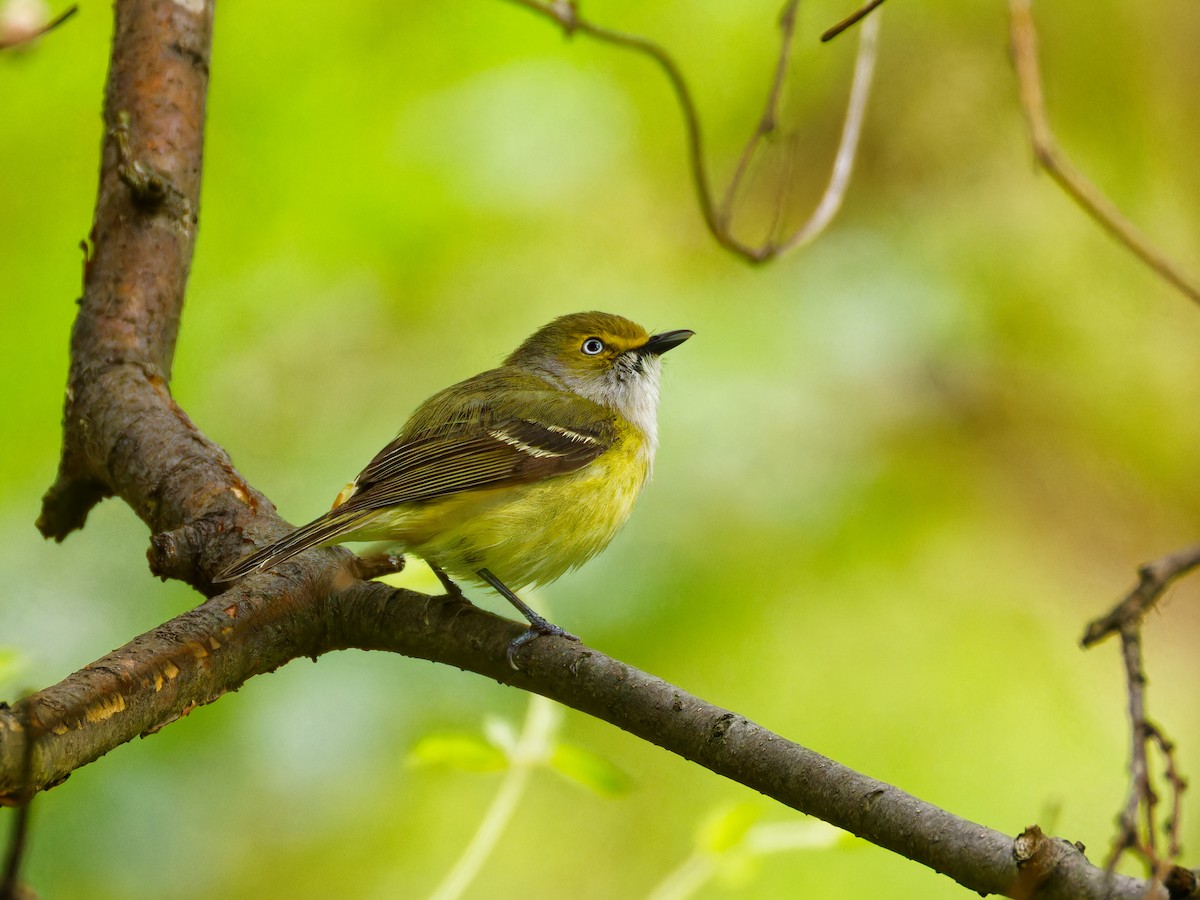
x=566, y=15
x=1138, y=818
x=48, y=27
x=718, y=219
x=851, y=20
x=1070, y=179
x=1178, y=784
x=770, y=117
x=1153, y=579
x=843, y=163
x=1140, y=796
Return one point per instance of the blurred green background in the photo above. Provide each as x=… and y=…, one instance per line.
x=900, y=469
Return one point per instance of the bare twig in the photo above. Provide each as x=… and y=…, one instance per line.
x=1153, y=578
x=843, y=163
x=1172, y=824
x=28, y=36
x=718, y=218
x=851, y=20
x=1138, y=819
x=770, y=117
x=1070, y=179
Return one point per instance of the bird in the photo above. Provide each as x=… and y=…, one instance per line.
x=515, y=476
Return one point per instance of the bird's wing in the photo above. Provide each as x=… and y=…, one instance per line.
x=516, y=435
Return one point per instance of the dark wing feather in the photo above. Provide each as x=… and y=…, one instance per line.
x=482, y=455
x=314, y=534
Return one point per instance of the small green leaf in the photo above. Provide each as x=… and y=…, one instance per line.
x=726, y=828
x=589, y=770
x=466, y=752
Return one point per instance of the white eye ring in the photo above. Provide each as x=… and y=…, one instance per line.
x=593, y=346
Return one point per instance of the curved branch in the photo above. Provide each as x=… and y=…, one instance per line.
x=718, y=219
x=1070, y=179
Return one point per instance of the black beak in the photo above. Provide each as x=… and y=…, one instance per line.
x=661, y=343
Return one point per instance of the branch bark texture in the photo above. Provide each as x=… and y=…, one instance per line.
x=124, y=435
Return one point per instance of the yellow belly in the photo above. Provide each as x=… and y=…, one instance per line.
x=529, y=534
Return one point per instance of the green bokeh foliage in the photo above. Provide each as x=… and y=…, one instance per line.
x=899, y=470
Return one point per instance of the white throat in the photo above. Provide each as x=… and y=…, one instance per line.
x=631, y=387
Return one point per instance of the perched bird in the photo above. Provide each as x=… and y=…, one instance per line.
x=517, y=475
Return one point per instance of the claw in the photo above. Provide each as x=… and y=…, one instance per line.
x=535, y=630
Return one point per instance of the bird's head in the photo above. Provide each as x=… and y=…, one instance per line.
x=603, y=357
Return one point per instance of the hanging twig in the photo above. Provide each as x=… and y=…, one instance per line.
x=843, y=163
x=717, y=218
x=1070, y=179
x=770, y=117
x=25, y=36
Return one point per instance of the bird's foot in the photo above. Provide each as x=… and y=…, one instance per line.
x=537, y=627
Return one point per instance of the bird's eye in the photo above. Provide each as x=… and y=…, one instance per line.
x=593, y=346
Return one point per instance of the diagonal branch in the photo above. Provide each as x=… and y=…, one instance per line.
x=259, y=625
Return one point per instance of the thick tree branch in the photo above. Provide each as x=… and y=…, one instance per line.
x=142, y=235
x=258, y=626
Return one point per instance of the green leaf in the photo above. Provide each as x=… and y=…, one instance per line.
x=727, y=828
x=466, y=752
x=588, y=769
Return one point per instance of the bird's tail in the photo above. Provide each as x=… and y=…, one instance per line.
x=320, y=531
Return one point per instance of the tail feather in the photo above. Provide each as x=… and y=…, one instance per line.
x=314, y=534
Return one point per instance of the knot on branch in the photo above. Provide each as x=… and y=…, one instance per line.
x=148, y=188
x=184, y=553
x=1037, y=856
x=1181, y=882
x=366, y=568
x=65, y=506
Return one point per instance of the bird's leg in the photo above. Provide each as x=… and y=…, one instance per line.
x=537, y=625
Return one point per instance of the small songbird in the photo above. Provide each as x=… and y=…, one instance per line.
x=517, y=475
